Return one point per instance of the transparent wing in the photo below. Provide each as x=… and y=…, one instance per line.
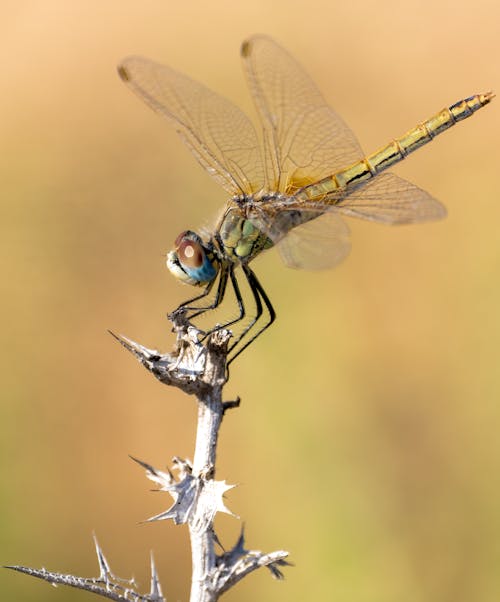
x=319, y=244
x=304, y=139
x=390, y=199
x=386, y=199
x=218, y=133
x=323, y=241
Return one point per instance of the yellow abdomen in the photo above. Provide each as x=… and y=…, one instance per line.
x=396, y=150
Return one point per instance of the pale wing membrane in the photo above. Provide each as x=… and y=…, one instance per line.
x=319, y=244
x=218, y=133
x=386, y=199
x=323, y=241
x=305, y=140
x=390, y=199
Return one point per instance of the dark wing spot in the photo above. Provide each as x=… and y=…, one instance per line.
x=246, y=48
x=123, y=73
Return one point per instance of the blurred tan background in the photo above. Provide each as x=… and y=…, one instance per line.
x=367, y=442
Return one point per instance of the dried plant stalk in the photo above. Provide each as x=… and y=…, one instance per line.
x=199, y=370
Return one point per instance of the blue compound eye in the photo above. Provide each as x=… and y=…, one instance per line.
x=189, y=252
x=191, y=261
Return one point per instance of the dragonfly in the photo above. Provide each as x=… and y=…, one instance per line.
x=288, y=189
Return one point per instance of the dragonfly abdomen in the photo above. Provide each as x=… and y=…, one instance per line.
x=396, y=150
x=423, y=133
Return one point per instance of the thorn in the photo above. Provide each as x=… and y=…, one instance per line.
x=144, y=465
x=217, y=540
x=239, y=546
x=139, y=351
x=155, y=593
x=104, y=568
x=228, y=405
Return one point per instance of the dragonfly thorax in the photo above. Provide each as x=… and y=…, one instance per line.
x=240, y=235
x=193, y=261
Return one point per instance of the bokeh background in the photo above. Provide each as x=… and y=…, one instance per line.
x=367, y=442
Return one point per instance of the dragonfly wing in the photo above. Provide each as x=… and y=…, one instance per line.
x=218, y=133
x=319, y=244
x=304, y=139
x=390, y=199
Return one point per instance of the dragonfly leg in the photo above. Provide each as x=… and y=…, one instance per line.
x=258, y=311
x=239, y=300
x=260, y=299
x=259, y=296
x=197, y=311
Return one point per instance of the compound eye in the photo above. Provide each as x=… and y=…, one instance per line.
x=178, y=241
x=190, y=253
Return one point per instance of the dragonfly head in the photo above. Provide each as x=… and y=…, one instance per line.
x=192, y=261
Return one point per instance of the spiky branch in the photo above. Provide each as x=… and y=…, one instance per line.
x=106, y=584
x=200, y=370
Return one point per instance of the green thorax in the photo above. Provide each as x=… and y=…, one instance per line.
x=241, y=238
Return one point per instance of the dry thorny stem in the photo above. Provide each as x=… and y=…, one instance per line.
x=200, y=370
